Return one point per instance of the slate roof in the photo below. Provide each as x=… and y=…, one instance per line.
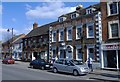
x=12, y=39
x=39, y=30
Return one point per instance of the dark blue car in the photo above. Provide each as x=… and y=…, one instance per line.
x=39, y=63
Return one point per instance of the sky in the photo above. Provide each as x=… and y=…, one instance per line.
x=21, y=15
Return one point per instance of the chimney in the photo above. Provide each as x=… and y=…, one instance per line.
x=79, y=7
x=35, y=25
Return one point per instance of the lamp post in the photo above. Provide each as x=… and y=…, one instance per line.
x=10, y=46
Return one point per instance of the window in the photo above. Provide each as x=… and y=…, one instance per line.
x=90, y=31
x=114, y=29
x=74, y=15
x=69, y=34
x=61, y=19
x=54, y=53
x=90, y=10
x=79, y=54
x=112, y=8
x=78, y=32
x=53, y=36
x=91, y=52
x=61, y=35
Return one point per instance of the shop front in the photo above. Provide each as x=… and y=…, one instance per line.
x=110, y=56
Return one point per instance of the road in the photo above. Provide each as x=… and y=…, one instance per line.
x=21, y=71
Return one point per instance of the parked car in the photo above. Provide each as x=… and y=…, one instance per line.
x=70, y=66
x=8, y=61
x=40, y=63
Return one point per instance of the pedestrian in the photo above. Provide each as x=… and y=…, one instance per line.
x=90, y=61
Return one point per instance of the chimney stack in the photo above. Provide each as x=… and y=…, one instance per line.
x=35, y=25
x=79, y=7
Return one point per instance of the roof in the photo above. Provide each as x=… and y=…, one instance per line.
x=14, y=39
x=42, y=30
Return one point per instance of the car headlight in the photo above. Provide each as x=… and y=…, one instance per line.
x=82, y=69
x=46, y=65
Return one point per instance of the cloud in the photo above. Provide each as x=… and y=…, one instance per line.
x=48, y=10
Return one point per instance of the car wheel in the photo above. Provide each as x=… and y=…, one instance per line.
x=75, y=72
x=55, y=70
x=42, y=67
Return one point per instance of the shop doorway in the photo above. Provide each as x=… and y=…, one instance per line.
x=111, y=59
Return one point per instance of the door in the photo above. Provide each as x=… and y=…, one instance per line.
x=68, y=67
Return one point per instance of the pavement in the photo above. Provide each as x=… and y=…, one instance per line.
x=106, y=75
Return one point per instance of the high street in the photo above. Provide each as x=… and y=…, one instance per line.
x=21, y=71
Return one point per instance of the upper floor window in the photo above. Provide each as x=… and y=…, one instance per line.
x=114, y=29
x=61, y=19
x=69, y=33
x=54, y=36
x=74, y=15
x=90, y=10
x=61, y=35
x=78, y=32
x=112, y=8
x=90, y=31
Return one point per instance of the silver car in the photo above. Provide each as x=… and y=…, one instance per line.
x=70, y=66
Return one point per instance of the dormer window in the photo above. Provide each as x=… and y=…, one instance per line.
x=61, y=19
x=90, y=10
x=74, y=15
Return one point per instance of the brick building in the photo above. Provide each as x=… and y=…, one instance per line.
x=77, y=35
x=36, y=43
x=110, y=54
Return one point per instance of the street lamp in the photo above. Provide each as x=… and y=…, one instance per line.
x=10, y=46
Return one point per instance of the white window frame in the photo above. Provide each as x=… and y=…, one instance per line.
x=109, y=27
x=61, y=30
x=78, y=47
x=88, y=47
x=61, y=19
x=78, y=26
x=76, y=15
x=53, y=36
x=69, y=28
x=108, y=9
x=91, y=24
x=88, y=10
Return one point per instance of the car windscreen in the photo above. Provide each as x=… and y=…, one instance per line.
x=76, y=62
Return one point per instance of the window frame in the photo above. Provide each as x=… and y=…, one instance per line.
x=54, y=40
x=110, y=30
x=69, y=28
x=92, y=24
x=61, y=30
x=78, y=26
x=109, y=10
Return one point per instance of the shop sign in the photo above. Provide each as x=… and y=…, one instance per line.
x=111, y=47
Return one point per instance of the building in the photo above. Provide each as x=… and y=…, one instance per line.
x=77, y=35
x=36, y=43
x=110, y=54
x=17, y=48
x=11, y=47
